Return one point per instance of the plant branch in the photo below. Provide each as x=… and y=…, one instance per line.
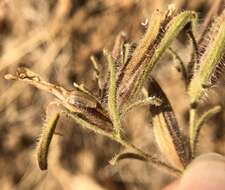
x=203, y=119
x=147, y=101
x=126, y=144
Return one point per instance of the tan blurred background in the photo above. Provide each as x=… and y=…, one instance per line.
x=56, y=39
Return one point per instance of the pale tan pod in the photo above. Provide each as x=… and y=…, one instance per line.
x=166, y=129
x=165, y=141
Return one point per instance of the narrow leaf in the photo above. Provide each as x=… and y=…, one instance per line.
x=147, y=101
x=203, y=119
x=161, y=32
x=96, y=72
x=126, y=155
x=45, y=140
x=112, y=95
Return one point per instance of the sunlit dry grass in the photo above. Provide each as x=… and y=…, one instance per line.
x=56, y=39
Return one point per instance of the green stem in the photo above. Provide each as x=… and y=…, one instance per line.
x=150, y=158
x=204, y=118
x=126, y=144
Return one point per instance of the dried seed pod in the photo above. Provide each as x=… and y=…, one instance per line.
x=141, y=53
x=145, y=45
x=163, y=28
x=78, y=101
x=166, y=129
x=118, y=45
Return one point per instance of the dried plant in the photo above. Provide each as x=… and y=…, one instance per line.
x=129, y=69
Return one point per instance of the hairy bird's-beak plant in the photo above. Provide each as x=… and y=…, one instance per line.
x=129, y=69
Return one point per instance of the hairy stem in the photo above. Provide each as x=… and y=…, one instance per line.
x=204, y=118
x=126, y=144
x=112, y=99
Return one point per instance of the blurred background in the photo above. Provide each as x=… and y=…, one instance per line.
x=56, y=38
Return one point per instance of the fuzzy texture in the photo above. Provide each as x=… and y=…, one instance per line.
x=160, y=34
x=211, y=61
x=45, y=140
x=203, y=119
x=128, y=70
x=112, y=99
x=141, y=54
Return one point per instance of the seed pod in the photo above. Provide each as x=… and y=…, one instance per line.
x=166, y=129
x=141, y=53
x=211, y=61
x=78, y=101
x=163, y=28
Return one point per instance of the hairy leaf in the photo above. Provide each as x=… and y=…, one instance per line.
x=45, y=140
x=211, y=62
